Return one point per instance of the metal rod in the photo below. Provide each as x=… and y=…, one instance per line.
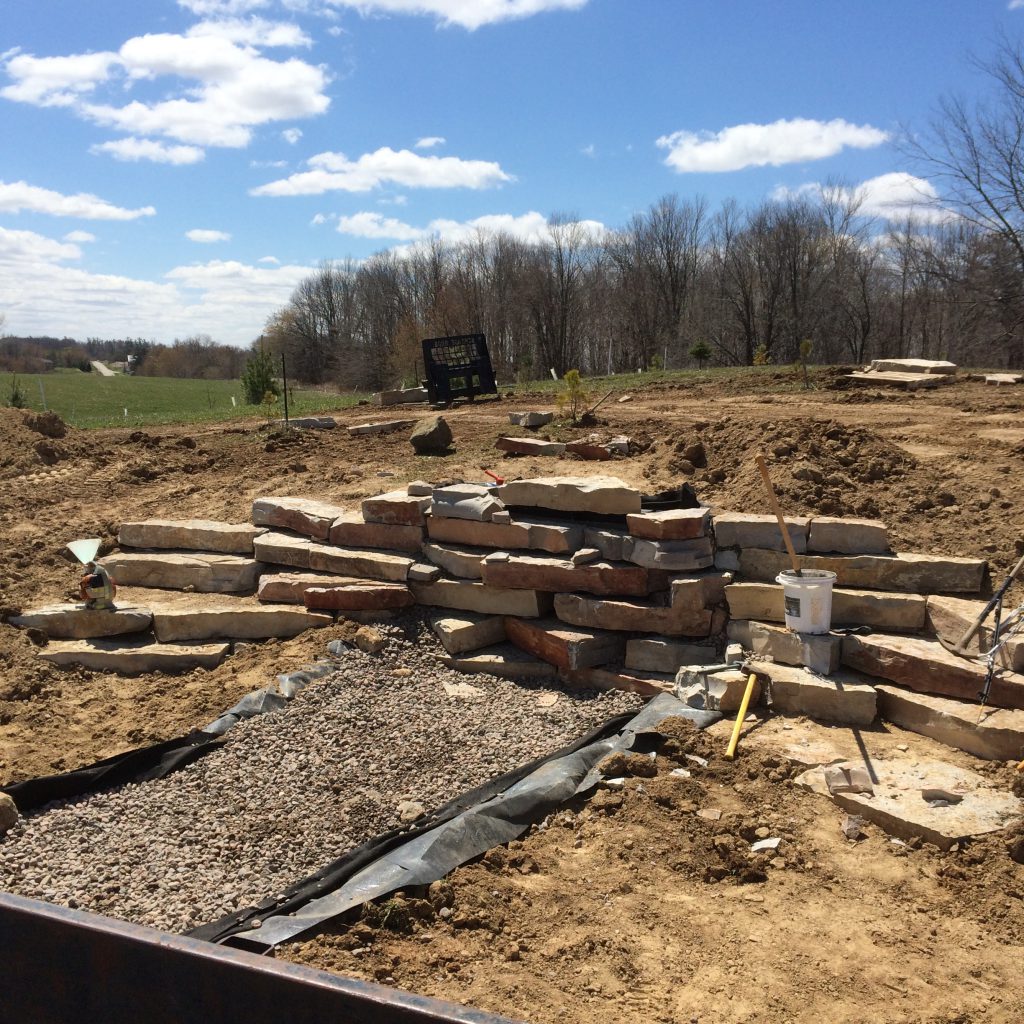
x=284, y=377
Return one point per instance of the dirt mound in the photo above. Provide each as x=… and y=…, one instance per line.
x=21, y=447
x=49, y=424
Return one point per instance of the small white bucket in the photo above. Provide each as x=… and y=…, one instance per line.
x=808, y=599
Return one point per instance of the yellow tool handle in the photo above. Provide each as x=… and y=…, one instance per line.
x=740, y=716
x=774, y=502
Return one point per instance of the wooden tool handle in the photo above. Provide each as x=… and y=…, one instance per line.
x=774, y=502
x=741, y=715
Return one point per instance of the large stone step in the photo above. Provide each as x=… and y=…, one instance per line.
x=289, y=587
x=568, y=647
x=559, y=574
x=76, y=622
x=303, y=515
x=190, y=535
x=471, y=596
x=275, y=548
x=950, y=617
x=519, y=533
x=207, y=573
x=844, y=698
x=633, y=616
x=234, y=621
x=352, y=531
x=503, y=660
x=359, y=596
x=468, y=631
x=365, y=563
x=910, y=573
x=596, y=494
x=927, y=667
x=894, y=613
x=134, y=658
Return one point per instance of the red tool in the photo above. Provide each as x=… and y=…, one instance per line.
x=499, y=480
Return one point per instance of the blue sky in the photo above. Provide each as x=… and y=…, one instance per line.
x=172, y=168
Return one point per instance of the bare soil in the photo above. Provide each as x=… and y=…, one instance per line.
x=615, y=915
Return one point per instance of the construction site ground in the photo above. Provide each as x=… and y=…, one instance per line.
x=629, y=907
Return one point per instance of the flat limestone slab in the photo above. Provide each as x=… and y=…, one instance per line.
x=396, y=508
x=998, y=737
x=76, y=622
x=288, y=587
x=893, y=378
x=473, y=502
x=303, y=515
x=352, y=531
x=927, y=667
x=283, y=549
x=909, y=573
x=552, y=537
x=175, y=570
x=672, y=524
x=844, y=698
x=469, y=632
x=673, y=555
x=565, y=646
x=1004, y=378
x=134, y=658
x=898, y=805
x=504, y=661
x=613, y=544
x=362, y=562
x=949, y=618
x=385, y=427
x=666, y=656
x=557, y=574
x=530, y=419
x=750, y=530
x=189, y=535
x=529, y=446
x=466, y=563
x=471, y=596
x=251, y=622
x=598, y=494
x=820, y=653
x=939, y=366
x=647, y=684
x=699, y=589
x=362, y=596
x=880, y=610
x=500, y=536
x=632, y=616
x=848, y=536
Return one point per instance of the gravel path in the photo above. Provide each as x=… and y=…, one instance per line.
x=293, y=790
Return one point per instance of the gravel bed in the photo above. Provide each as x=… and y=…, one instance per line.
x=293, y=790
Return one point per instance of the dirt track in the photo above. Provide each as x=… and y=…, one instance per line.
x=857, y=931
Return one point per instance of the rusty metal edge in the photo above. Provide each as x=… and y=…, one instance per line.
x=63, y=965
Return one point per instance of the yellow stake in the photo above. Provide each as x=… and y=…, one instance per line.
x=741, y=715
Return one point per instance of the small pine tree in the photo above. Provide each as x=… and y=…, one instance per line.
x=258, y=377
x=700, y=351
x=16, y=399
x=574, y=396
x=762, y=356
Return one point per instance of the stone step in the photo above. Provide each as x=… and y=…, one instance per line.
x=207, y=573
x=845, y=698
x=76, y=622
x=821, y=653
x=927, y=667
x=752, y=530
x=632, y=616
x=892, y=378
x=921, y=574
x=594, y=451
x=503, y=660
x=366, y=563
x=190, y=535
x=302, y=515
x=521, y=533
x=363, y=596
x=288, y=587
x=529, y=446
x=468, y=632
x=233, y=622
x=596, y=494
x=476, y=503
x=352, y=531
x=671, y=555
x=848, y=536
x=646, y=684
x=471, y=596
x=381, y=427
x=999, y=736
x=699, y=589
x=567, y=647
x=939, y=366
x=649, y=654
x=134, y=658
x=672, y=524
x=950, y=617
x=395, y=508
x=535, y=572
x=465, y=563
x=893, y=613
x=275, y=548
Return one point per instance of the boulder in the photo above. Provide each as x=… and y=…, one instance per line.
x=8, y=814
x=175, y=570
x=598, y=494
x=302, y=515
x=431, y=436
x=235, y=622
x=190, y=535
x=530, y=419
x=76, y=622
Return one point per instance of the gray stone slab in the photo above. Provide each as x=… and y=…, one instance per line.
x=649, y=654
x=471, y=596
x=844, y=698
x=750, y=530
x=465, y=563
x=252, y=622
x=848, y=536
x=673, y=555
x=598, y=494
x=820, y=653
x=475, y=502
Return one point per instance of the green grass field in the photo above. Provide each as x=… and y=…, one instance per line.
x=89, y=400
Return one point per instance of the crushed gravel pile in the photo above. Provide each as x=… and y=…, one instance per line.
x=293, y=790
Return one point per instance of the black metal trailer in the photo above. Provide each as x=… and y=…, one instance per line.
x=457, y=367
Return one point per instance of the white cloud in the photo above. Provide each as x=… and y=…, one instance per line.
x=28, y=246
x=206, y=237
x=335, y=172
x=429, y=142
x=530, y=227
x=79, y=236
x=19, y=195
x=758, y=145
x=222, y=8
x=1015, y=4
x=268, y=163
x=228, y=87
x=133, y=149
x=253, y=32
x=291, y=135
x=894, y=197
x=269, y=259
x=589, y=150
x=469, y=14
x=319, y=218
x=397, y=200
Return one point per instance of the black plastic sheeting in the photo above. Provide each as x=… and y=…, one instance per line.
x=466, y=827
x=159, y=760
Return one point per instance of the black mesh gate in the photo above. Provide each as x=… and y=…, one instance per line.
x=457, y=367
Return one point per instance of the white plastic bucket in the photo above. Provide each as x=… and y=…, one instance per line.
x=808, y=599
